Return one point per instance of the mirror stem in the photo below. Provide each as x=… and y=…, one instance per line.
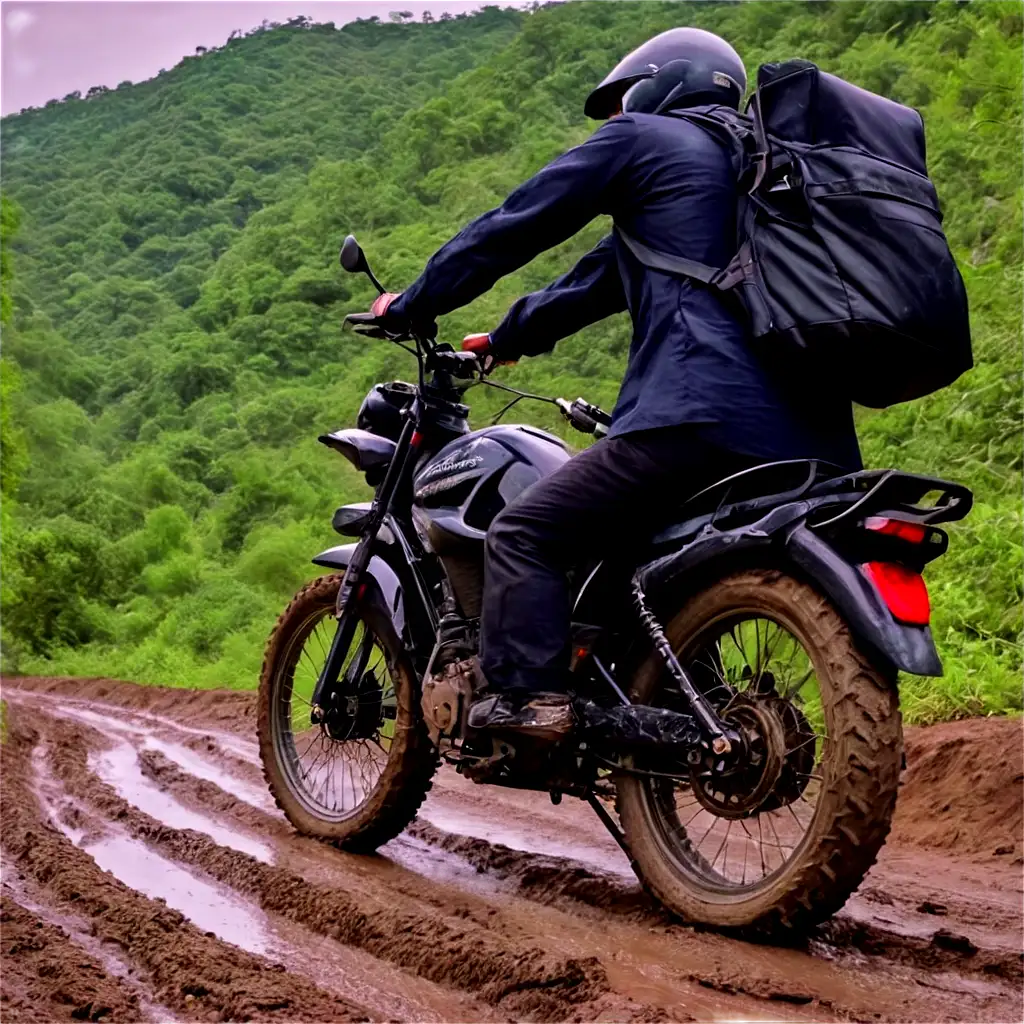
x=373, y=278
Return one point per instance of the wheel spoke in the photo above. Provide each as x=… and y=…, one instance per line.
x=333, y=767
x=749, y=661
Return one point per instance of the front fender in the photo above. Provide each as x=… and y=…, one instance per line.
x=380, y=572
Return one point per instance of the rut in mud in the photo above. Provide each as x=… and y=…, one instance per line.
x=148, y=876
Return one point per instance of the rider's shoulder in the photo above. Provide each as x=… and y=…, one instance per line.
x=637, y=124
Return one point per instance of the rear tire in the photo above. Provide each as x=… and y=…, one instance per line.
x=392, y=802
x=858, y=770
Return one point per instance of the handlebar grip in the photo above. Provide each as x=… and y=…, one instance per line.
x=578, y=418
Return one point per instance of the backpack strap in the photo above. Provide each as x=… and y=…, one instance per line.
x=657, y=260
x=762, y=159
x=731, y=129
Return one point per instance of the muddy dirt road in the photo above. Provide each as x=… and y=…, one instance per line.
x=148, y=876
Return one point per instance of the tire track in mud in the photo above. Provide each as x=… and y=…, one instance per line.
x=79, y=933
x=192, y=973
x=575, y=886
x=855, y=966
x=529, y=996
x=48, y=977
x=554, y=880
x=520, y=979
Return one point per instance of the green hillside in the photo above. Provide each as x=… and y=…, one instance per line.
x=175, y=343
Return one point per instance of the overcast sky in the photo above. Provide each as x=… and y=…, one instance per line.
x=51, y=49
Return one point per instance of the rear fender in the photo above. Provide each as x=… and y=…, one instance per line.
x=909, y=648
x=782, y=540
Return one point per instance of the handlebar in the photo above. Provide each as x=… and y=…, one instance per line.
x=584, y=417
x=580, y=414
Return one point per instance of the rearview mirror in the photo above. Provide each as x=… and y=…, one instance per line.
x=351, y=256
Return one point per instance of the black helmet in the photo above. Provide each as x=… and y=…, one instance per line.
x=383, y=409
x=679, y=68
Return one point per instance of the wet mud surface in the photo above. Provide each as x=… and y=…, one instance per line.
x=147, y=875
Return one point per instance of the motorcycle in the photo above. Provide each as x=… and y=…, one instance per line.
x=735, y=689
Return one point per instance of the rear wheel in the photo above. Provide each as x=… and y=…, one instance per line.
x=782, y=840
x=360, y=776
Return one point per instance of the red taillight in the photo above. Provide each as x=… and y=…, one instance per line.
x=903, y=591
x=915, y=533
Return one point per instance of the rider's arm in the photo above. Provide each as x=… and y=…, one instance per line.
x=589, y=292
x=543, y=212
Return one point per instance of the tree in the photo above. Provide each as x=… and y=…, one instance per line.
x=400, y=17
x=9, y=220
x=176, y=323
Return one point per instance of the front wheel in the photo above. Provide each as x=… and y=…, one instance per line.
x=780, y=842
x=360, y=776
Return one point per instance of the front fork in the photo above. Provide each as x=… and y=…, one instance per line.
x=353, y=586
x=347, y=614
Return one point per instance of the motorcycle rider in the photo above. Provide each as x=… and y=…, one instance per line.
x=695, y=403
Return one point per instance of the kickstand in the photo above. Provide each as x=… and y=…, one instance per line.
x=609, y=823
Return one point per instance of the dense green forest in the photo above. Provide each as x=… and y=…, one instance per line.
x=173, y=342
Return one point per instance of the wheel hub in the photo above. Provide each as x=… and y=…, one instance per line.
x=355, y=716
x=739, y=787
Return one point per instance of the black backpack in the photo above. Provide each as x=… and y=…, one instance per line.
x=842, y=268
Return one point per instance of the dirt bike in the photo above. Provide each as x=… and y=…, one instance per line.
x=756, y=644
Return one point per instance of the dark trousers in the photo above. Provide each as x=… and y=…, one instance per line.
x=623, y=487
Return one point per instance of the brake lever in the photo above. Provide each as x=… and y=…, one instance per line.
x=577, y=418
x=369, y=326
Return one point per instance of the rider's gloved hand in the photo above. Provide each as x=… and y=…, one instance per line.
x=397, y=321
x=381, y=304
x=480, y=344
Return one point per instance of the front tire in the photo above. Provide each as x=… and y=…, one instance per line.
x=360, y=781
x=853, y=728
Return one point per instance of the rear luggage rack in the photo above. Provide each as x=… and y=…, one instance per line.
x=891, y=492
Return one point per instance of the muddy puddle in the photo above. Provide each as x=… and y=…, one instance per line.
x=494, y=905
x=118, y=766
x=138, y=867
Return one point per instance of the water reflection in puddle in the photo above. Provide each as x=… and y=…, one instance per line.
x=119, y=768
x=449, y=819
x=203, y=769
x=206, y=907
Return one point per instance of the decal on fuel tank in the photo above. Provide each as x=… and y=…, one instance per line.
x=444, y=484
x=451, y=465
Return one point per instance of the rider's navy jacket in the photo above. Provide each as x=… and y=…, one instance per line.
x=670, y=185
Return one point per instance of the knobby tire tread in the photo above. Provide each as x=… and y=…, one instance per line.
x=408, y=775
x=863, y=770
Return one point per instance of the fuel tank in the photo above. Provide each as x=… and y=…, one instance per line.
x=458, y=491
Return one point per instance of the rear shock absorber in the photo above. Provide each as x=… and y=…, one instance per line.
x=710, y=724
